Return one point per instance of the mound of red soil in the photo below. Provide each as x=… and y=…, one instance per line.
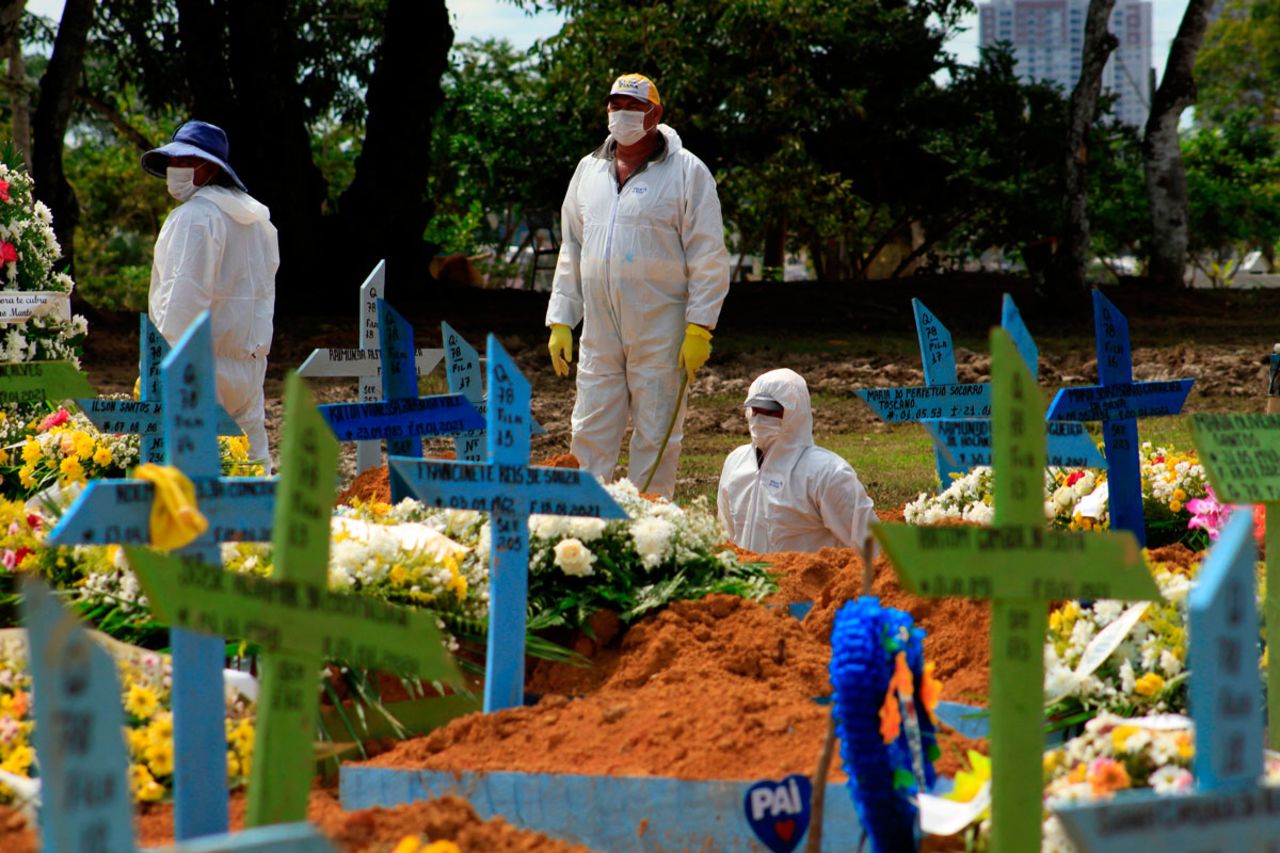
x=720, y=688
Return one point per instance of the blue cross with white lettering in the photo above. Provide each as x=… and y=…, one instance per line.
x=1118, y=402
x=510, y=490
x=465, y=377
x=1231, y=810
x=401, y=417
x=237, y=509
x=142, y=417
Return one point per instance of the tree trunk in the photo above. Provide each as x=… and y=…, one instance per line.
x=775, y=245
x=58, y=90
x=11, y=12
x=1073, y=246
x=1161, y=154
x=385, y=210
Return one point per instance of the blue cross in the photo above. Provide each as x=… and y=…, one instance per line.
x=1118, y=402
x=142, y=417
x=510, y=490
x=238, y=509
x=1230, y=809
x=401, y=417
x=465, y=377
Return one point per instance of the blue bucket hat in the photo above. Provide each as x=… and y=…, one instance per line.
x=193, y=139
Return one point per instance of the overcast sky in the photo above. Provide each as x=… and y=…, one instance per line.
x=501, y=19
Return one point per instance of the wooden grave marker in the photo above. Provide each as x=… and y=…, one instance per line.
x=1118, y=402
x=1241, y=455
x=237, y=509
x=1020, y=566
x=29, y=382
x=294, y=618
x=401, y=417
x=465, y=375
x=142, y=417
x=1230, y=811
x=961, y=444
x=510, y=490
x=364, y=362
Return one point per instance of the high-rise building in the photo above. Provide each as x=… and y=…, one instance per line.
x=1048, y=39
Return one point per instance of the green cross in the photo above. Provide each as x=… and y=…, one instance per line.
x=293, y=617
x=1241, y=455
x=1020, y=566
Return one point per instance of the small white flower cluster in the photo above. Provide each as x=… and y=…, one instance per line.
x=968, y=497
x=108, y=578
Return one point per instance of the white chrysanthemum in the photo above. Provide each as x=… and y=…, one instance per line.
x=1107, y=611
x=550, y=527
x=574, y=558
x=587, y=529
x=652, y=537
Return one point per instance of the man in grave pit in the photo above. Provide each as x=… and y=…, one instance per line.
x=782, y=492
x=218, y=252
x=643, y=266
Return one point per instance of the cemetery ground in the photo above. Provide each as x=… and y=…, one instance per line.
x=840, y=338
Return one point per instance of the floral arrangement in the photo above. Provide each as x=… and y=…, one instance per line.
x=1076, y=498
x=885, y=695
x=63, y=448
x=1146, y=671
x=1210, y=516
x=148, y=725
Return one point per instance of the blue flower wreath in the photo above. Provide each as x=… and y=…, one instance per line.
x=865, y=643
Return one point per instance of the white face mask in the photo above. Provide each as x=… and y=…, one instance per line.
x=627, y=126
x=181, y=181
x=764, y=429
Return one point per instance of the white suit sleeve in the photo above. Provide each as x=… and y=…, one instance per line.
x=846, y=508
x=566, y=287
x=722, y=502
x=186, y=271
x=705, y=257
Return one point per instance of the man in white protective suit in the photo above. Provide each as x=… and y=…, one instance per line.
x=217, y=251
x=782, y=492
x=643, y=266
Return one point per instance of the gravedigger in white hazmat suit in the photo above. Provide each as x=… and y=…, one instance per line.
x=643, y=265
x=782, y=492
x=217, y=251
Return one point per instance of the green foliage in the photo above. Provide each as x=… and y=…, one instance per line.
x=1233, y=182
x=1239, y=63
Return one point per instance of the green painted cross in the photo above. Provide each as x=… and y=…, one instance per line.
x=293, y=617
x=31, y=382
x=1241, y=455
x=1020, y=566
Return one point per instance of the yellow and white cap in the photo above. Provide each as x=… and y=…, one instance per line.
x=636, y=86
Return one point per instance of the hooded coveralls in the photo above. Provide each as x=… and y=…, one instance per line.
x=218, y=251
x=636, y=265
x=801, y=497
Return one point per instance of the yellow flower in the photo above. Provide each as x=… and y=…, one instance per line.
x=159, y=756
x=442, y=847
x=82, y=442
x=1120, y=736
x=31, y=452
x=1186, y=746
x=1175, y=506
x=102, y=457
x=1149, y=684
x=233, y=764
x=72, y=471
x=1053, y=760
x=969, y=782
x=137, y=740
x=141, y=701
x=4, y=456
x=144, y=786
x=399, y=575
x=1179, y=495
x=26, y=476
x=409, y=844
x=19, y=759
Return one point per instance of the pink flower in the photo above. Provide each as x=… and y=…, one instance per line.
x=58, y=418
x=9, y=559
x=8, y=251
x=4, y=191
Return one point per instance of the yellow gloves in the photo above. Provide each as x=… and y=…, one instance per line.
x=695, y=350
x=561, y=347
x=175, y=520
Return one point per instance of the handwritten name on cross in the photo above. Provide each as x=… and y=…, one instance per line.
x=1230, y=811
x=365, y=361
x=402, y=418
x=238, y=509
x=466, y=377
x=294, y=618
x=143, y=417
x=1020, y=566
x=963, y=443
x=1241, y=455
x=1118, y=402
x=510, y=490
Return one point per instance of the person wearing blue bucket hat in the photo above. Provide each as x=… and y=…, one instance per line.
x=217, y=251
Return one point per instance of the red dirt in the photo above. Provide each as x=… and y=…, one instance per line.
x=373, y=830
x=721, y=688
